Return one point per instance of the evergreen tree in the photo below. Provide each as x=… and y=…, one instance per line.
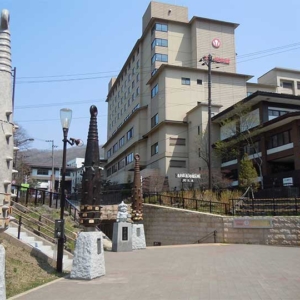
x=247, y=173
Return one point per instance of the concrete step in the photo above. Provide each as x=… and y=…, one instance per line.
x=35, y=241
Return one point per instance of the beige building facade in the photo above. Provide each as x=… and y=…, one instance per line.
x=157, y=106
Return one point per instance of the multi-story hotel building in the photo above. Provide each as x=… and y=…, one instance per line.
x=157, y=105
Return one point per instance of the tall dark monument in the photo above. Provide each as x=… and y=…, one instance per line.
x=91, y=186
x=137, y=196
x=88, y=262
x=138, y=233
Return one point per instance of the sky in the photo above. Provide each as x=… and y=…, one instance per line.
x=66, y=51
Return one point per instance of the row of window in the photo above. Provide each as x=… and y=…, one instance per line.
x=120, y=143
x=289, y=84
x=187, y=81
x=120, y=164
x=129, y=158
x=274, y=141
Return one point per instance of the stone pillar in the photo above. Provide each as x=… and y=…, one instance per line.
x=88, y=262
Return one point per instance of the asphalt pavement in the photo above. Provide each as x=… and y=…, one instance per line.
x=209, y=272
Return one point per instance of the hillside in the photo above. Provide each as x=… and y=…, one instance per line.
x=44, y=157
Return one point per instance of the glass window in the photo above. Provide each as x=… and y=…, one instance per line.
x=121, y=141
x=159, y=27
x=185, y=81
x=154, y=120
x=137, y=77
x=137, y=91
x=199, y=81
x=109, y=153
x=132, y=84
x=129, y=158
x=154, y=91
x=287, y=84
x=159, y=57
x=42, y=171
x=153, y=72
x=115, y=147
x=159, y=42
x=129, y=134
x=154, y=149
x=137, y=64
x=121, y=164
x=279, y=139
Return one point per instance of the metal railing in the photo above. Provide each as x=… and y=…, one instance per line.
x=213, y=233
x=178, y=201
x=39, y=225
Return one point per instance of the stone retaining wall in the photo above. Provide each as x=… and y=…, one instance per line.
x=174, y=226
x=171, y=226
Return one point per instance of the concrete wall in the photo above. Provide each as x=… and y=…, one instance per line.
x=172, y=226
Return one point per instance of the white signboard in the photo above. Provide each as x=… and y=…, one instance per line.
x=187, y=175
x=287, y=181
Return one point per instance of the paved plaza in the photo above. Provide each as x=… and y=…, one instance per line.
x=211, y=271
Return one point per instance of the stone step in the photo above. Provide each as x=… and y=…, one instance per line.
x=34, y=241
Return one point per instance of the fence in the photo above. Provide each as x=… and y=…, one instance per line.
x=187, y=203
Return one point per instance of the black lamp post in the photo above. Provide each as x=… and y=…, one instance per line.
x=65, y=118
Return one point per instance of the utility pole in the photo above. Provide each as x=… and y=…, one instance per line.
x=52, y=172
x=207, y=60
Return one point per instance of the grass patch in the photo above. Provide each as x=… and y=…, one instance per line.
x=24, y=271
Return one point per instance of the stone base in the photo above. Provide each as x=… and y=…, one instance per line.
x=88, y=262
x=122, y=237
x=2, y=274
x=138, y=237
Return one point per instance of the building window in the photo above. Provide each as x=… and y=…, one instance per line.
x=199, y=81
x=185, y=81
x=154, y=149
x=154, y=120
x=114, y=168
x=129, y=158
x=121, y=164
x=253, y=148
x=42, y=171
x=137, y=77
x=132, y=84
x=133, y=58
x=279, y=139
x=137, y=92
x=108, y=172
x=286, y=84
x=121, y=141
x=159, y=42
x=159, y=27
x=129, y=134
x=177, y=163
x=132, y=97
x=153, y=72
x=115, y=147
x=298, y=85
x=137, y=64
x=154, y=91
x=274, y=113
x=177, y=142
x=159, y=57
x=109, y=153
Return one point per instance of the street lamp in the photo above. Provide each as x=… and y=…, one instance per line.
x=65, y=118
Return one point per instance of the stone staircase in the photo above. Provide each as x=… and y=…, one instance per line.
x=40, y=245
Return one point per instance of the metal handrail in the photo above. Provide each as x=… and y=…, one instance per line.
x=214, y=233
